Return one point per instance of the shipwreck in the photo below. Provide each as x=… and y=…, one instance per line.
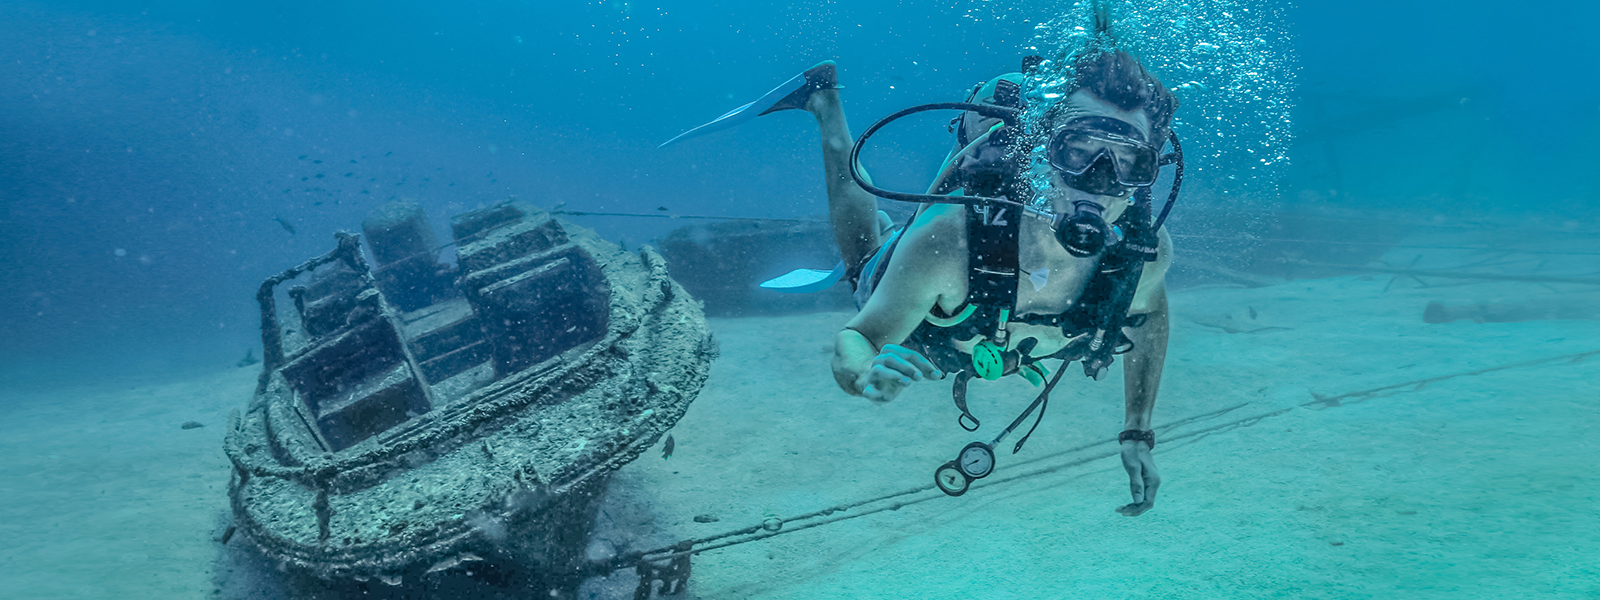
x=418, y=419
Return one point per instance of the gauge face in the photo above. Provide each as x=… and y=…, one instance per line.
x=976, y=460
x=950, y=479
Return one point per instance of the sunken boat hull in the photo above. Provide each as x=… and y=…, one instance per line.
x=470, y=422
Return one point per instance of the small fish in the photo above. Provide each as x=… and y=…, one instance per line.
x=453, y=562
x=304, y=178
x=303, y=156
x=348, y=174
x=353, y=161
x=661, y=208
x=1252, y=311
x=316, y=162
x=387, y=153
x=666, y=451
x=319, y=176
x=286, y=226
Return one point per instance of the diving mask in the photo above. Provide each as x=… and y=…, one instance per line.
x=1102, y=156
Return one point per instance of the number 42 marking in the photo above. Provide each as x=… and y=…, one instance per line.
x=992, y=215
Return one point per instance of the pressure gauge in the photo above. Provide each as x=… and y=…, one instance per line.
x=951, y=480
x=976, y=460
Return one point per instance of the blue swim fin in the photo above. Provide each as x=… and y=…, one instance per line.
x=806, y=281
x=791, y=94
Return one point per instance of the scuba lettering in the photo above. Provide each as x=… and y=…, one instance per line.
x=1097, y=155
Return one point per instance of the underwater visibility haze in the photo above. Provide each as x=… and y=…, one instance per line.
x=1360, y=349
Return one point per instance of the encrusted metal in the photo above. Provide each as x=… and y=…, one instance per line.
x=479, y=429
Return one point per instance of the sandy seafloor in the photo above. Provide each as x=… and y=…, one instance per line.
x=1467, y=487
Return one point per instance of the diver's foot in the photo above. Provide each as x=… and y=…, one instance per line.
x=823, y=76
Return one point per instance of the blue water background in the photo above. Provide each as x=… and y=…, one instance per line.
x=146, y=149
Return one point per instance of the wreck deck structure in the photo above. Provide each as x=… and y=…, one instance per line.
x=417, y=417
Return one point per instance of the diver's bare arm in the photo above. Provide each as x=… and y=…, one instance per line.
x=852, y=356
x=923, y=269
x=896, y=306
x=1142, y=376
x=1142, y=369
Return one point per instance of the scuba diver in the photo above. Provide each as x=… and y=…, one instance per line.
x=1035, y=241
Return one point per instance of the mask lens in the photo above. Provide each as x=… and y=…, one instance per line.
x=1100, y=178
x=1136, y=166
x=1073, y=153
x=1078, y=145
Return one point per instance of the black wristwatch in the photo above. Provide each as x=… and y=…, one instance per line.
x=1147, y=436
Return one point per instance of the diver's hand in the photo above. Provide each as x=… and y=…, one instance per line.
x=1143, y=479
x=895, y=368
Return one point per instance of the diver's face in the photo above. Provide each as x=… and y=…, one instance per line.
x=1062, y=195
x=1081, y=103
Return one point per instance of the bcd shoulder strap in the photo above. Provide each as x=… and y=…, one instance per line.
x=992, y=243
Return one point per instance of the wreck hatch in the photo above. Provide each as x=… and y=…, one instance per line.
x=366, y=350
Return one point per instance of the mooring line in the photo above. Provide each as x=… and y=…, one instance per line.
x=762, y=532
x=897, y=506
x=559, y=211
x=673, y=551
x=673, y=216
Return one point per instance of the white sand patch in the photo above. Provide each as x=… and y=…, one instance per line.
x=1470, y=486
x=103, y=494
x=1476, y=486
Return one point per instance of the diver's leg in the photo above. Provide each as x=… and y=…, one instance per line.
x=853, y=212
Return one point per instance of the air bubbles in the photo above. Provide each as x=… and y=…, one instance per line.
x=1230, y=61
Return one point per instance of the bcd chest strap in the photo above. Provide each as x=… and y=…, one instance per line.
x=1115, y=283
x=1101, y=311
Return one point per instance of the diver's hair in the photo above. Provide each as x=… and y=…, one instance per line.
x=1117, y=77
x=1120, y=80
x=1110, y=74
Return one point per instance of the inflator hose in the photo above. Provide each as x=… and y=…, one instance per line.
x=1009, y=115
